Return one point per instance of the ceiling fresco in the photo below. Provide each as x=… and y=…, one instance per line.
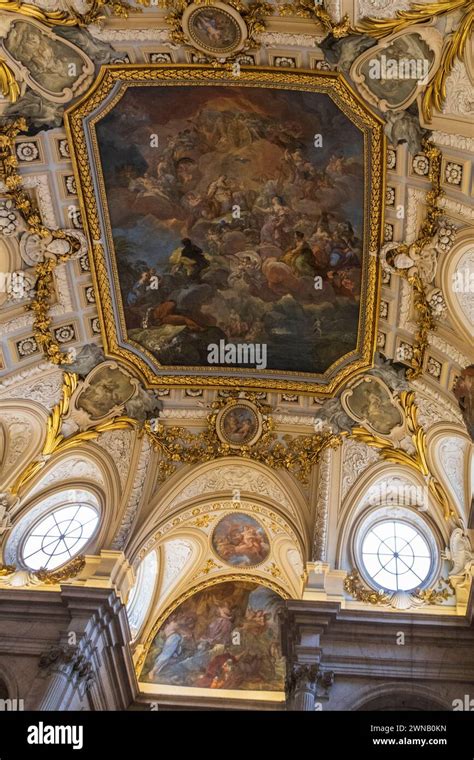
x=231, y=237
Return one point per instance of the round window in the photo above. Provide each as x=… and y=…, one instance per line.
x=59, y=536
x=396, y=555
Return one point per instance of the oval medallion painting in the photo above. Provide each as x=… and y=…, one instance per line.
x=238, y=426
x=214, y=29
x=198, y=644
x=240, y=540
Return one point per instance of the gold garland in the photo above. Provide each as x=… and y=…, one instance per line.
x=56, y=443
x=177, y=444
x=51, y=577
x=354, y=586
x=454, y=47
x=435, y=595
x=296, y=455
x=7, y=570
x=70, y=570
x=44, y=270
x=308, y=9
x=429, y=228
x=425, y=323
x=416, y=461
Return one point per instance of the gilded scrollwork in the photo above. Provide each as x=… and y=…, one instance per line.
x=55, y=440
x=454, y=46
x=242, y=22
x=415, y=460
x=71, y=17
x=8, y=84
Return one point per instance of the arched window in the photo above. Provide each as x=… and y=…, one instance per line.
x=55, y=530
x=396, y=555
x=395, y=549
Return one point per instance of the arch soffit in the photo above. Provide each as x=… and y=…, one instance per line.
x=436, y=435
x=20, y=413
x=447, y=269
x=101, y=464
x=158, y=529
x=194, y=570
x=216, y=479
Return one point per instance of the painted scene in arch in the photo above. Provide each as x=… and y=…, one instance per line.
x=224, y=637
x=237, y=215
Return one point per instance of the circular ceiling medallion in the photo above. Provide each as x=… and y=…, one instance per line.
x=239, y=424
x=217, y=29
x=240, y=540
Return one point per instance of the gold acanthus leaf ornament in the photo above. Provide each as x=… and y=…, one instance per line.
x=454, y=46
x=309, y=9
x=297, y=454
x=44, y=286
x=417, y=460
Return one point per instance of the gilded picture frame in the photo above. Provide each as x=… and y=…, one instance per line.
x=81, y=121
x=239, y=424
